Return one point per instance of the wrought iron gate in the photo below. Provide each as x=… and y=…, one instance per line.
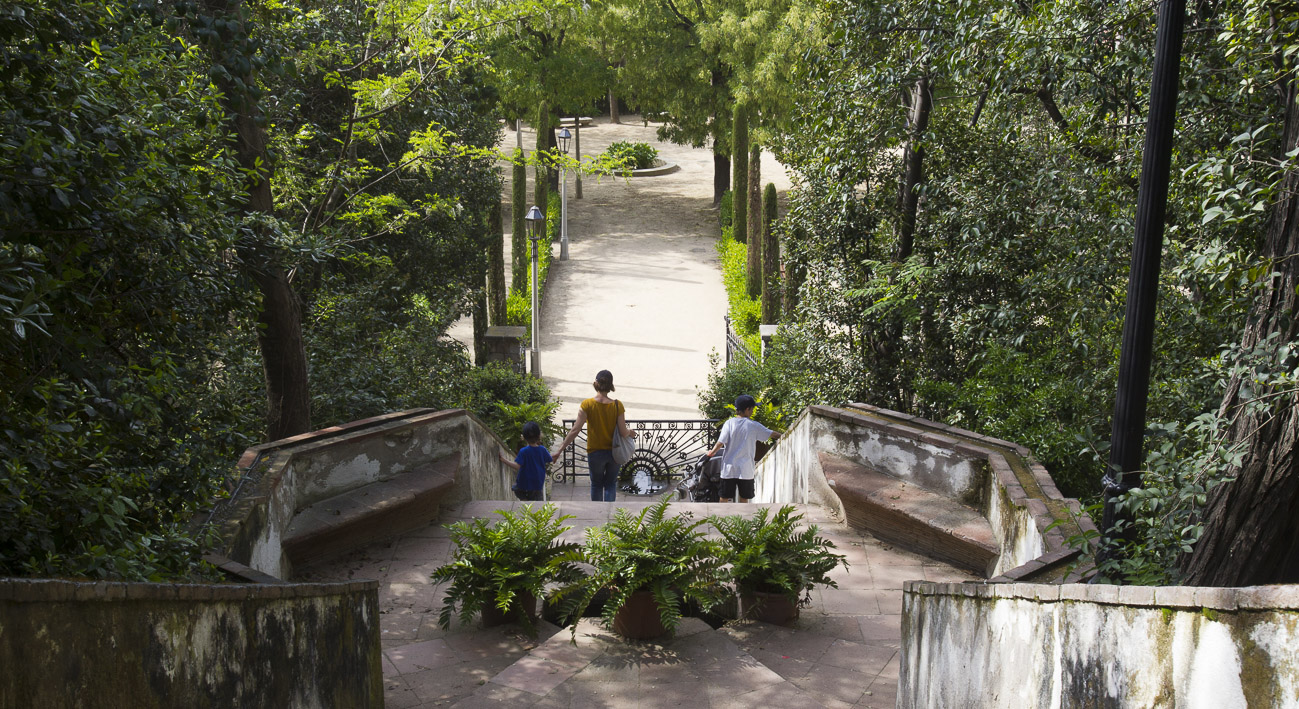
x=664, y=449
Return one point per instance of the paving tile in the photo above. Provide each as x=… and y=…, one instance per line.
x=422, y=549
x=607, y=668
x=535, y=675
x=797, y=644
x=855, y=576
x=844, y=627
x=783, y=665
x=399, y=627
x=739, y=675
x=503, y=641
x=677, y=692
x=858, y=657
x=848, y=602
x=879, y=698
x=747, y=633
x=778, y=694
x=890, y=602
x=454, y=682
x=614, y=695
x=492, y=695
x=562, y=652
x=832, y=685
x=708, y=647
x=892, y=577
x=416, y=657
x=946, y=574
x=667, y=670
x=881, y=628
x=396, y=695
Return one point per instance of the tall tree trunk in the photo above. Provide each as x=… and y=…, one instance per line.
x=721, y=173
x=518, y=226
x=614, y=116
x=496, y=264
x=1251, y=525
x=541, y=185
x=753, y=267
x=770, y=258
x=740, y=181
x=913, y=164
x=279, y=332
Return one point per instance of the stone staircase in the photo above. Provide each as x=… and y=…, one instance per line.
x=744, y=664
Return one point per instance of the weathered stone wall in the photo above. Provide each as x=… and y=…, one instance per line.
x=139, y=645
x=1022, y=646
x=287, y=476
x=1016, y=496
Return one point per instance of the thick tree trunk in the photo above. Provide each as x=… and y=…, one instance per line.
x=753, y=268
x=740, y=181
x=721, y=173
x=614, y=115
x=518, y=233
x=913, y=164
x=1251, y=525
x=770, y=258
x=279, y=333
x=496, y=265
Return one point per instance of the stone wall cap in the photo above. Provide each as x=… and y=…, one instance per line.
x=19, y=590
x=1282, y=597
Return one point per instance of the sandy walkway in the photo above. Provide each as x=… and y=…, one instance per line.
x=641, y=294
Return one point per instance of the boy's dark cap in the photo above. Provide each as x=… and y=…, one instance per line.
x=744, y=401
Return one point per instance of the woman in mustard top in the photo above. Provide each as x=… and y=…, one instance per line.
x=602, y=413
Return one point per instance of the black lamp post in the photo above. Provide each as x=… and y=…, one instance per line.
x=536, y=227
x=564, y=137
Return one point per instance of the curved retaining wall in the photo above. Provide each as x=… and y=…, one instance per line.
x=141, y=645
x=1029, y=517
x=286, y=476
x=1021, y=646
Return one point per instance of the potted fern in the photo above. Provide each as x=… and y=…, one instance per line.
x=649, y=563
x=500, y=570
x=774, y=564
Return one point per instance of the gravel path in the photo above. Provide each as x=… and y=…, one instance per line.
x=641, y=294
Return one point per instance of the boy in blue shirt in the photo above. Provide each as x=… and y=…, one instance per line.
x=740, y=434
x=531, y=462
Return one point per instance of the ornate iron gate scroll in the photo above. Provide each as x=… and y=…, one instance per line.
x=663, y=449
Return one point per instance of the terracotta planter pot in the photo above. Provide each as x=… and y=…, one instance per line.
x=638, y=618
x=774, y=608
x=523, y=603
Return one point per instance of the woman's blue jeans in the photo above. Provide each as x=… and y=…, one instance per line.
x=604, y=475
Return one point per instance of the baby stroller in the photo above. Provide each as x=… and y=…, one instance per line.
x=703, y=480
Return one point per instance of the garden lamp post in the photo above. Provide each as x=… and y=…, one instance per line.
x=536, y=227
x=564, y=137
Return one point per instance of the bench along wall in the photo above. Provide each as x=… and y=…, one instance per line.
x=285, y=477
x=1022, y=646
x=1029, y=517
x=82, y=644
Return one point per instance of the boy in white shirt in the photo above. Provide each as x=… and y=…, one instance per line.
x=740, y=434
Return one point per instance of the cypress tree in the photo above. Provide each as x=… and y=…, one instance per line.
x=740, y=176
x=496, y=264
x=770, y=258
x=519, y=236
x=753, y=260
x=542, y=179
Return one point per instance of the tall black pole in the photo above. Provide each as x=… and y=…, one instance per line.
x=1128, y=434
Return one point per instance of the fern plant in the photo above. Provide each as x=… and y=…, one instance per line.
x=500, y=564
x=769, y=553
x=667, y=555
x=508, y=421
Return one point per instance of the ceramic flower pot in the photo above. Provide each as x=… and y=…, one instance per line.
x=774, y=608
x=638, y=618
x=524, y=602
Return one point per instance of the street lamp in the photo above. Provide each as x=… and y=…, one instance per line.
x=564, y=137
x=536, y=227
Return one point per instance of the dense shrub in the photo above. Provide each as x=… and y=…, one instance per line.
x=637, y=155
x=745, y=312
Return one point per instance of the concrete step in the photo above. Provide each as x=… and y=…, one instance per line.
x=697, y=667
x=910, y=516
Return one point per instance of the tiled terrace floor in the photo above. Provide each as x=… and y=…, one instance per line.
x=842, y=652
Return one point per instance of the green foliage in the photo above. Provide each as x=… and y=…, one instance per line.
x=497, y=563
x=768, y=552
x=509, y=419
x=724, y=210
x=667, y=555
x=518, y=306
x=745, y=312
x=637, y=156
x=727, y=383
